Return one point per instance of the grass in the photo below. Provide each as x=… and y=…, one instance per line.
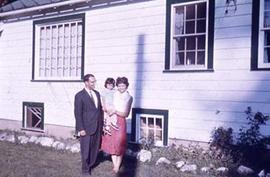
x=31, y=160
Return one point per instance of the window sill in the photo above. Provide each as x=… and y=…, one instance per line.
x=33, y=130
x=187, y=71
x=56, y=80
x=260, y=69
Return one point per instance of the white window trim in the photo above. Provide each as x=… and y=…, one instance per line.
x=172, y=49
x=155, y=116
x=261, y=64
x=37, y=51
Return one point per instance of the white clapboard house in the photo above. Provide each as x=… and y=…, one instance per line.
x=193, y=65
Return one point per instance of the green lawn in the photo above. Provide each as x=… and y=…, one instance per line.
x=31, y=160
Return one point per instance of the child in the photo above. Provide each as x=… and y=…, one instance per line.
x=107, y=104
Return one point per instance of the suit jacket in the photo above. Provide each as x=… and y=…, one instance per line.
x=88, y=116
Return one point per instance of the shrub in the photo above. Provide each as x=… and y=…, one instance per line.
x=252, y=137
x=250, y=146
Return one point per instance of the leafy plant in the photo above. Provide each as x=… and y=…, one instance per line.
x=147, y=143
x=221, y=138
x=221, y=145
x=252, y=136
x=250, y=146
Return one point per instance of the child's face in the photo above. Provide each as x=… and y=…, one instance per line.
x=109, y=86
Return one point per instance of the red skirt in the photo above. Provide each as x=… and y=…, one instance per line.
x=116, y=143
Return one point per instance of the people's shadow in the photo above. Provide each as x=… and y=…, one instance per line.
x=102, y=156
x=129, y=164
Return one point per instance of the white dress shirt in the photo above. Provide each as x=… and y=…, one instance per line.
x=93, y=95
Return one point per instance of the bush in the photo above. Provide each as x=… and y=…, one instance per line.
x=222, y=140
x=250, y=146
x=252, y=137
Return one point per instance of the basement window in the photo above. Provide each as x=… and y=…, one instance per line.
x=33, y=116
x=150, y=125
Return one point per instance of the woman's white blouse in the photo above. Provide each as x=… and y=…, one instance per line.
x=121, y=100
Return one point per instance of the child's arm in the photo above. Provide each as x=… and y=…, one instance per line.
x=103, y=103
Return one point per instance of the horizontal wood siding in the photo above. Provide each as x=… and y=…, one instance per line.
x=15, y=77
x=129, y=40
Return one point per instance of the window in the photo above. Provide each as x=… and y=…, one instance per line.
x=33, y=114
x=260, y=52
x=150, y=125
x=58, y=48
x=189, y=35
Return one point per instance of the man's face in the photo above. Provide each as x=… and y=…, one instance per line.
x=91, y=83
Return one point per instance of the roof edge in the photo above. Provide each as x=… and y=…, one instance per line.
x=41, y=7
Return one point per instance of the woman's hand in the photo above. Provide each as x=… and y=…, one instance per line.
x=111, y=112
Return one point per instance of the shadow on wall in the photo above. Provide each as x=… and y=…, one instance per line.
x=139, y=75
x=128, y=163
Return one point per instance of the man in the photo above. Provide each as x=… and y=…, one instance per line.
x=89, y=121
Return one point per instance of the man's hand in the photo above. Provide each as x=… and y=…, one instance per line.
x=82, y=133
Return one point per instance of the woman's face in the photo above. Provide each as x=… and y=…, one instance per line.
x=121, y=87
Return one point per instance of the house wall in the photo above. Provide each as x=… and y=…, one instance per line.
x=129, y=40
x=15, y=77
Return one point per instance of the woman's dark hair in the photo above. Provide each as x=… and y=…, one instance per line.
x=122, y=80
x=109, y=80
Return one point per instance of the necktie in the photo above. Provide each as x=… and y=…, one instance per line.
x=92, y=98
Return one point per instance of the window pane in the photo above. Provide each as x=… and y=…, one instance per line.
x=267, y=5
x=151, y=122
x=267, y=38
x=159, y=123
x=191, y=43
x=143, y=122
x=180, y=43
x=158, y=135
x=201, y=58
x=266, y=58
x=143, y=133
x=201, y=26
x=180, y=58
x=190, y=11
x=266, y=19
x=201, y=10
x=190, y=58
x=190, y=27
x=179, y=20
x=151, y=135
x=42, y=68
x=33, y=117
x=201, y=42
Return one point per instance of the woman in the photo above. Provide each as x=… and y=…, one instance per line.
x=115, y=144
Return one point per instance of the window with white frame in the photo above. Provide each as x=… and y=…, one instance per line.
x=264, y=35
x=189, y=43
x=150, y=126
x=33, y=114
x=58, y=45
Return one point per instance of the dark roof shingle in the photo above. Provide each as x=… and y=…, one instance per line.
x=23, y=4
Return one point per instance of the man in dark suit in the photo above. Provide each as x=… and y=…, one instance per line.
x=89, y=121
